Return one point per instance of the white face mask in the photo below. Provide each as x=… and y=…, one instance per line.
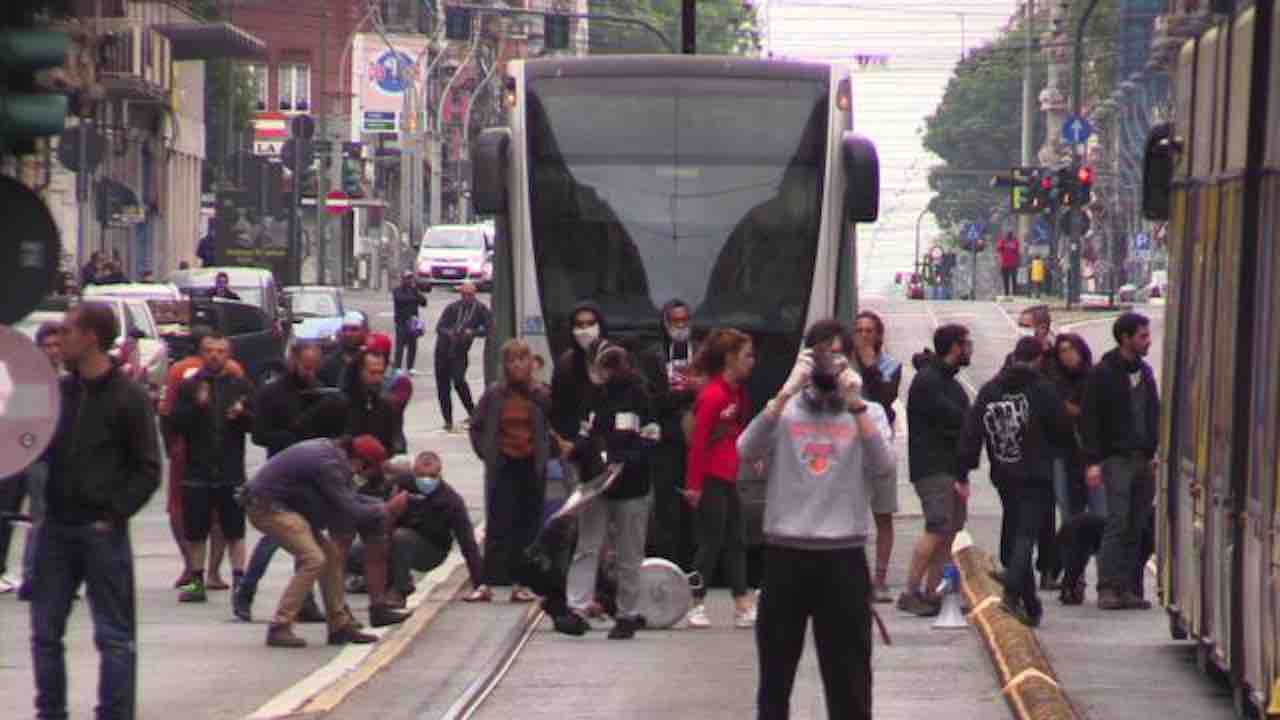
x=426, y=485
x=680, y=335
x=584, y=336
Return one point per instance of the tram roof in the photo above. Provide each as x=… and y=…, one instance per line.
x=676, y=66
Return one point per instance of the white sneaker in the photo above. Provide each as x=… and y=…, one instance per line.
x=697, y=617
x=7, y=584
x=745, y=618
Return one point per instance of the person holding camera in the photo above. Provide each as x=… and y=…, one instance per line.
x=212, y=413
x=405, y=301
x=460, y=324
x=824, y=443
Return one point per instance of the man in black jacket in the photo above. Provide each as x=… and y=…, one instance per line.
x=936, y=409
x=405, y=301
x=370, y=411
x=104, y=467
x=1118, y=426
x=462, y=321
x=666, y=368
x=351, y=337
x=1019, y=418
x=213, y=412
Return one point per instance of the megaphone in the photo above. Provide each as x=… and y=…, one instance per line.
x=950, y=617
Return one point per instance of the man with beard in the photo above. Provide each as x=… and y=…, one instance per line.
x=937, y=406
x=351, y=338
x=674, y=390
x=462, y=322
x=1119, y=428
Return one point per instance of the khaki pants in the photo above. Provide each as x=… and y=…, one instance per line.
x=316, y=557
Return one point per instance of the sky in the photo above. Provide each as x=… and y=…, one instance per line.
x=922, y=40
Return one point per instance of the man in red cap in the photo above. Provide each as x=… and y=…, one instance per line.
x=305, y=490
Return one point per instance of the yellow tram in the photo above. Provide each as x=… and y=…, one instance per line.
x=1214, y=175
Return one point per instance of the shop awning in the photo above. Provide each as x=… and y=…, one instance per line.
x=209, y=41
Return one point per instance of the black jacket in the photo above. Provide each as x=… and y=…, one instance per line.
x=1019, y=418
x=215, y=445
x=624, y=396
x=669, y=406
x=440, y=518
x=881, y=382
x=1107, y=424
x=285, y=411
x=406, y=301
x=1070, y=389
x=334, y=370
x=570, y=386
x=459, y=325
x=936, y=409
x=105, y=456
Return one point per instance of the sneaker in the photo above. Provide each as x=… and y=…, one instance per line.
x=242, y=605
x=624, y=629
x=192, y=592
x=7, y=584
x=1072, y=593
x=880, y=594
x=413, y=373
x=356, y=585
x=448, y=427
x=697, y=617
x=571, y=623
x=384, y=615
x=744, y=619
x=917, y=604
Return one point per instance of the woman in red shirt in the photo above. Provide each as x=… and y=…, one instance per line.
x=720, y=415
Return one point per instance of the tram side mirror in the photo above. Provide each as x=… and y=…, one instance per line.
x=489, y=171
x=1157, y=172
x=862, y=173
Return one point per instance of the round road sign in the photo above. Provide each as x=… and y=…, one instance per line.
x=336, y=202
x=29, y=402
x=936, y=253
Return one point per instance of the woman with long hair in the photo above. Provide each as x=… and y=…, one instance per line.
x=1069, y=368
x=726, y=358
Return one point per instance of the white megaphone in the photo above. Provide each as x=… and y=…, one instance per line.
x=950, y=617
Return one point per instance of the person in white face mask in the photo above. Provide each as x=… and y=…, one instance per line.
x=570, y=385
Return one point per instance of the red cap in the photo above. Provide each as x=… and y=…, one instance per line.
x=368, y=449
x=379, y=343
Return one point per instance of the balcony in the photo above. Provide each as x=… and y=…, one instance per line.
x=134, y=63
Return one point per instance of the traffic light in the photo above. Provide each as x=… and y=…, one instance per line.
x=457, y=23
x=1019, y=181
x=26, y=113
x=555, y=32
x=1082, y=191
x=351, y=178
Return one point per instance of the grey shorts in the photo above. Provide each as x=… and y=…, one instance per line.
x=884, y=493
x=944, y=511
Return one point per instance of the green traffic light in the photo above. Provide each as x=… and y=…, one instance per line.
x=25, y=114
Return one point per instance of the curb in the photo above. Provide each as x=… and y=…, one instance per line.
x=332, y=683
x=1027, y=679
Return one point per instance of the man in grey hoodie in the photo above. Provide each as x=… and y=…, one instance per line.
x=824, y=445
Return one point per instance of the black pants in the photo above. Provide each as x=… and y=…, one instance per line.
x=1010, y=277
x=513, y=515
x=405, y=341
x=1027, y=506
x=833, y=588
x=722, y=528
x=12, y=491
x=198, y=505
x=409, y=551
x=1131, y=490
x=451, y=374
x=673, y=519
x=1047, y=553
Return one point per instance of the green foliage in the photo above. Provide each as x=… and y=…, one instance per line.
x=725, y=27
x=228, y=97
x=978, y=127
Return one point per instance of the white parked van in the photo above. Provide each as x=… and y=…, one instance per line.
x=454, y=254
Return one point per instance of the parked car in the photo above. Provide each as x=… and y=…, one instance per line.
x=255, y=286
x=140, y=349
x=255, y=342
x=454, y=254
x=317, y=313
x=1158, y=288
x=915, y=287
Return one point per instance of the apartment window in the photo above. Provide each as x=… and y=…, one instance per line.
x=258, y=77
x=295, y=88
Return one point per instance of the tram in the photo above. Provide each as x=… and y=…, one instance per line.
x=733, y=184
x=1214, y=174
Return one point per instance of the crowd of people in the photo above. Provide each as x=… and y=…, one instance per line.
x=341, y=494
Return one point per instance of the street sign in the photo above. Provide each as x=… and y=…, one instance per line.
x=379, y=122
x=936, y=253
x=1040, y=231
x=1142, y=241
x=337, y=202
x=1076, y=130
x=30, y=401
x=268, y=148
x=971, y=233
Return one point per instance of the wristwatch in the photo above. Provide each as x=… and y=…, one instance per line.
x=859, y=410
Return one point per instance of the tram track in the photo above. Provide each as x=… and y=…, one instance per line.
x=496, y=667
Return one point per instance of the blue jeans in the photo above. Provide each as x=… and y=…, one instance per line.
x=102, y=559
x=258, y=563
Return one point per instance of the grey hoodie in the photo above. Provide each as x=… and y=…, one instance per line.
x=818, y=495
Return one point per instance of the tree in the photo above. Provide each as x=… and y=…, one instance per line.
x=978, y=127
x=725, y=27
x=230, y=100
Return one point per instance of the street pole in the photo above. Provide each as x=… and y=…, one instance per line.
x=1077, y=103
x=1028, y=118
x=918, y=219
x=437, y=127
x=689, y=27
x=321, y=241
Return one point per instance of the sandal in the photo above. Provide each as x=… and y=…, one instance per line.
x=480, y=594
x=522, y=595
x=217, y=584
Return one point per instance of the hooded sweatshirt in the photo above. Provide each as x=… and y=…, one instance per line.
x=1019, y=418
x=818, y=494
x=570, y=387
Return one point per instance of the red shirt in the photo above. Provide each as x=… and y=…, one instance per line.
x=1008, y=248
x=719, y=417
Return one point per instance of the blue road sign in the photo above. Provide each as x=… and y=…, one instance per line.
x=1040, y=231
x=971, y=233
x=1142, y=241
x=1076, y=130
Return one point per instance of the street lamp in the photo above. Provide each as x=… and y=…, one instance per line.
x=918, y=219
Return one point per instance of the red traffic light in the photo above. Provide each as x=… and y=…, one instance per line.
x=1085, y=175
x=1046, y=182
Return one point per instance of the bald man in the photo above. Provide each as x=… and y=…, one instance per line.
x=462, y=321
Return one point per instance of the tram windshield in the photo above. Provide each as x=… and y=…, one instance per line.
x=645, y=189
